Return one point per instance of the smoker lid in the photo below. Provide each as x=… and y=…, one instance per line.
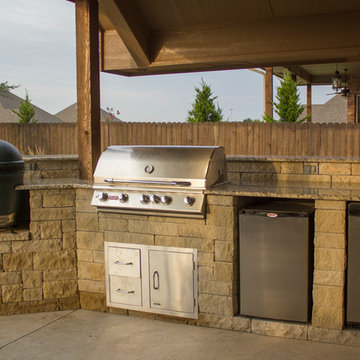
x=10, y=157
x=159, y=162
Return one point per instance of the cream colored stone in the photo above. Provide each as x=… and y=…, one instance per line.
x=17, y=262
x=325, y=335
x=84, y=206
x=170, y=219
x=32, y=294
x=355, y=169
x=224, y=251
x=98, y=257
x=133, y=238
x=5, y=247
x=60, y=174
x=35, y=230
x=69, y=241
x=225, y=322
x=53, y=260
x=220, y=200
x=87, y=222
x=216, y=287
x=295, y=178
x=85, y=255
x=204, y=245
x=113, y=225
x=31, y=279
x=280, y=329
x=69, y=303
x=53, y=214
x=35, y=202
x=223, y=271
x=330, y=221
x=330, y=240
x=208, y=232
x=220, y=216
x=330, y=204
x=36, y=246
x=205, y=273
x=11, y=293
x=334, y=278
x=335, y=168
x=70, y=164
x=205, y=258
x=350, y=337
x=9, y=278
x=328, y=296
x=90, y=240
x=68, y=226
x=258, y=178
x=60, y=289
x=92, y=301
x=45, y=192
x=92, y=286
x=153, y=227
x=311, y=168
x=340, y=180
x=20, y=235
x=234, y=177
x=49, y=165
x=55, y=275
x=91, y=271
x=330, y=259
x=61, y=200
x=216, y=304
x=292, y=168
x=327, y=317
x=256, y=166
x=29, y=307
x=84, y=194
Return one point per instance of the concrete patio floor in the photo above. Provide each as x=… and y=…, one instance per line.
x=88, y=335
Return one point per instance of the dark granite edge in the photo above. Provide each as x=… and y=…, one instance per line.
x=293, y=158
x=55, y=184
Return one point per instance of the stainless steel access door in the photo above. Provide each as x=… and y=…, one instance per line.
x=274, y=266
x=171, y=281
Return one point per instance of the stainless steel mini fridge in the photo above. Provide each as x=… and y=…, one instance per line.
x=276, y=260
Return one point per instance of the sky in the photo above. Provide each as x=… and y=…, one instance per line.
x=38, y=53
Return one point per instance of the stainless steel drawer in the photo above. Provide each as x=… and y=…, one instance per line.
x=124, y=261
x=125, y=290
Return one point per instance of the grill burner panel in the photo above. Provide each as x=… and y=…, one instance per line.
x=164, y=180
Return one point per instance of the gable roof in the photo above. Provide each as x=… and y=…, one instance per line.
x=11, y=102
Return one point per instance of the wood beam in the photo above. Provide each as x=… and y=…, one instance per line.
x=280, y=42
x=308, y=102
x=127, y=23
x=88, y=93
x=351, y=109
x=268, y=91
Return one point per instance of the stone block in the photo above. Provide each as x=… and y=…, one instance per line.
x=92, y=301
x=325, y=335
x=32, y=294
x=91, y=271
x=355, y=169
x=87, y=222
x=60, y=289
x=330, y=204
x=32, y=279
x=280, y=329
x=296, y=178
x=5, y=247
x=330, y=240
x=11, y=293
x=113, y=225
x=332, y=278
x=85, y=255
x=167, y=219
x=54, y=260
x=53, y=214
x=220, y=216
x=205, y=273
x=69, y=241
x=330, y=221
x=35, y=202
x=234, y=177
x=328, y=317
x=62, y=200
x=49, y=164
x=208, y=232
x=311, y=168
x=223, y=271
x=84, y=194
x=17, y=262
x=205, y=258
x=216, y=304
x=68, y=226
x=328, y=296
x=36, y=246
x=256, y=166
x=55, y=275
x=44, y=192
x=258, y=178
x=92, y=286
x=10, y=278
x=25, y=307
x=133, y=238
x=216, y=287
x=35, y=229
x=60, y=174
x=341, y=180
x=330, y=259
x=98, y=257
x=153, y=227
x=90, y=240
x=335, y=168
x=220, y=200
x=72, y=164
x=292, y=168
x=350, y=337
x=69, y=303
x=85, y=206
x=224, y=251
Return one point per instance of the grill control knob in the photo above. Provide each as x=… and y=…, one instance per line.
x=155, y=199
x=166, y=200
x=189, y=200
x=144, y=199
x=123, y=198
x=103, y=196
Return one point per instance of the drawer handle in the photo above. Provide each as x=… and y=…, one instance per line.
x=125, y=291
x=117, y=262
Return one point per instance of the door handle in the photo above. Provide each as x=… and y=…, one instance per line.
x=156, y=280
x=125, y=291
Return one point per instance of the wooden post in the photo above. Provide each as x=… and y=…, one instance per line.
x=351, y=109
x=88, y=89
x=268, y=91
x=308, y=102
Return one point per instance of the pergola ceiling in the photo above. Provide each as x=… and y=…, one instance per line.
x=311, y=38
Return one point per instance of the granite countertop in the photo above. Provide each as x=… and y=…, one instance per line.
x=55, y=184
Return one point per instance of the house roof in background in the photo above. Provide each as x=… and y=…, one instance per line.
x=11, y=102
x=69, y=114
x=333, y=111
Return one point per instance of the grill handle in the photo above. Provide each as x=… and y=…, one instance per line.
x=149, y=182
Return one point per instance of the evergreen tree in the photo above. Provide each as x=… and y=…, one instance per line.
x=204, y=108
x=288, y=107
x=5, y=88
x=26, y=111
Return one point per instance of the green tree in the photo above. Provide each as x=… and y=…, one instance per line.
x=288, y=107
x=5, y=88
x=26, y=111
x=204, y=108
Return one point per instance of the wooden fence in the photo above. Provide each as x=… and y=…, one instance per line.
x=237, y=138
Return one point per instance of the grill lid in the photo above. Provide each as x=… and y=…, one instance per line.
x=161, y=166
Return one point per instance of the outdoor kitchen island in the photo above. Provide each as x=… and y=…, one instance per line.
x=59, y=263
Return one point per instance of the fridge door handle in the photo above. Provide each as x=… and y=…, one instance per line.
x=156, y=280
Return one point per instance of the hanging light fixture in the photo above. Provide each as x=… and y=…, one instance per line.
x=336, y=81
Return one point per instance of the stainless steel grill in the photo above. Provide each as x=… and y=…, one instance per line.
x=166, y=180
